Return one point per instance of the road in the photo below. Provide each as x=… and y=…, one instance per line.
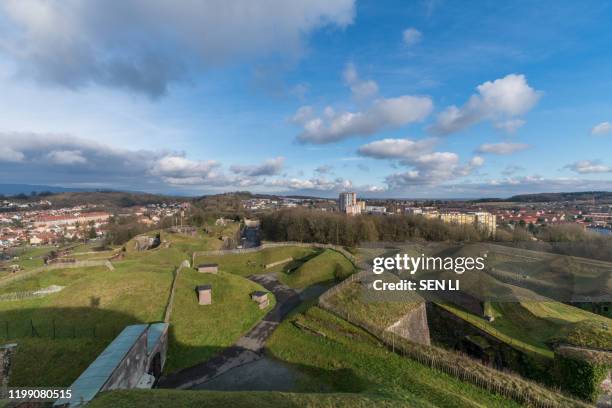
x=248, y=348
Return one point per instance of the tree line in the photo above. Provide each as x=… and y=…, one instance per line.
x=334, y=228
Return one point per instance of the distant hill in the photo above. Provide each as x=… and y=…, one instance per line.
x=577, y=196
x=14, y=189
x=109, y=199
x=551, y=197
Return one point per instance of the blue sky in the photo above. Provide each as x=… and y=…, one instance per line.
x=387, y=98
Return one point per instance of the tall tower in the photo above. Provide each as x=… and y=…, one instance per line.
x=346, y=201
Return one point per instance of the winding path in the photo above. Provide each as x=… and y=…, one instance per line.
x=248, y=348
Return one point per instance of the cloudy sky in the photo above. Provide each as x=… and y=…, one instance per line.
x=386, y=98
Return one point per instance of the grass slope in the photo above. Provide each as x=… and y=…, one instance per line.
x=200, y=331
x=250, y=263
x=174, y=398
x=328, y=265
x=350, y=360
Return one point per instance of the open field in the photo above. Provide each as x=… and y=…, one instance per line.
x=327, y=265
x=198, y=332
x=250, y=263
x=73, y=326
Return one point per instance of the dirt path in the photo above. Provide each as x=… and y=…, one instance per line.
x=248, y=348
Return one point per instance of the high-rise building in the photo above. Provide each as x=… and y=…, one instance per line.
x=346, y=200
x=347, y=203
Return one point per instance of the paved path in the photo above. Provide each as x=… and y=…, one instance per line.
x=248, y=348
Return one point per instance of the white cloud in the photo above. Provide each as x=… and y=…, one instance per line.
x=476, y=161
x=382, y=114
x=360, y=89
x=9, y=155
x=323, y=185
x=426, y=167
x=317, y=184
x=500, y=101
x=144, y=45
x=502, y=148
x=66, y=157
x=40, y=159
x=396, y=148
x=601, y=128
x=411, y=36
x=588, y=166
x=268, y=168
x=178, y=167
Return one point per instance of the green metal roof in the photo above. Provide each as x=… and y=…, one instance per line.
x=156, y=330
x=91, y=381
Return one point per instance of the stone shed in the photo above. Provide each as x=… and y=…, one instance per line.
x=208, y=268
x=204, y=294
x=261, y=298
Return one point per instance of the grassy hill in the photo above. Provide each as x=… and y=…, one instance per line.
x=73, y=326
x=198, y=332
x=327, y=265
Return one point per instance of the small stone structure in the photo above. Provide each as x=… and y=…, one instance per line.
x=204, y=294
x=134, y=356
x=261, y=298
x=187, y=230
x=208, y=268
x=144, y=243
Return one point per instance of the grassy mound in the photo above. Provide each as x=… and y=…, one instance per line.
x=328, y=265
x=200, y=331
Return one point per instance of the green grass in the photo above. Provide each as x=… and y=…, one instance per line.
x=377, y=312
x=173, y=398
x=348, y=365
x=95, y=298
x=328, y=265
x=534, y=325
x=250, y=263
x=348, y=359
x=200, y=331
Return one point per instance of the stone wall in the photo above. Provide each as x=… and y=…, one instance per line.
x=131, y=368
x=451, y=331
x=413, y=326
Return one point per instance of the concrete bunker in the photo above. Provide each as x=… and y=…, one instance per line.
x=134, y=359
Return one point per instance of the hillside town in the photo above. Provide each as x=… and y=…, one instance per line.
x=39, y=224
x=593, y=215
